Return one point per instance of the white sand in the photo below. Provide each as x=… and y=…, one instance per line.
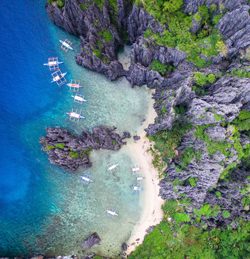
x=152, y=213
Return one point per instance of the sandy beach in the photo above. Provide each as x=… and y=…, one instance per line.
x=152, y=213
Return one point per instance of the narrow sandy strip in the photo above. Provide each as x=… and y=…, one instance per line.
x=152, y=213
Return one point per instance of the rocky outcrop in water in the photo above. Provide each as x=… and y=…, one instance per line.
x=90, y=241
x=71, y=152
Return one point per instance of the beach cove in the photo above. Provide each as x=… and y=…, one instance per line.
x=44, y=209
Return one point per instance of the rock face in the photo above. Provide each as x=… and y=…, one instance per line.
x=104, y=28
x=99, y=37
x=235, y=28
x=92, y=240
x=228, y=196
x=70, y=151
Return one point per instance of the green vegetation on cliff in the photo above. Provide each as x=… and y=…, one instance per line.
x=199, y=46
x=161, y=68
x=175, y=238
x=166, y=142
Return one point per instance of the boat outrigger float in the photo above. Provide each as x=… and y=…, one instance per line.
x=53, y=63
x=86, y=179
x=112, y=167
x=66, y=45
x=74, y=115
x=58, y=77
x=111, y=212
x=74, y=84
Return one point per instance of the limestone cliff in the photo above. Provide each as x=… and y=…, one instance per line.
x=212, y=108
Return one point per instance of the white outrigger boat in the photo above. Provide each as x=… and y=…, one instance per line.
x=136, y=188
x=58, y=77
x=140, y=178
x=86, y=179
x=66, y=45
x=53, y=63
x=78, y=98
x=74, y=115
x=112, y=167
x=111, y=212
x=74, y=84
x=135, y=169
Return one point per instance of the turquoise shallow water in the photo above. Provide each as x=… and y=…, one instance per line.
x=44, y=209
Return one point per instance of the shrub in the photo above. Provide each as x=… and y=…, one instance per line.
x=84, y=6
x=60, y=3
x=49, y=147
x=60, y=145
x=218, y=117
x=167, y=141
x=202, y=79
x=181, y=217
x=226, y=214
x=74, y=154
x=187, y=156
x=240, y=73
x=99, y=3
x=193, y=181
x=243, y=121
x=97, y=53
x=161, y=68
x=106, y=35
x=172, y=6
x=180, y=109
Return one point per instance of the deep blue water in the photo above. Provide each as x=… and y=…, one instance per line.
x=25, y=95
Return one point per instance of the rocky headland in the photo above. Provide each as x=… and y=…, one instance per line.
x=202, y=91
x=70, y=151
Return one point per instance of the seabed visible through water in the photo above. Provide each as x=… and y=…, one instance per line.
x=44, y=209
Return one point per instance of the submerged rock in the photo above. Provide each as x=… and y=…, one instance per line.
x=135, y=138
x=124, y=246
x=90, y=241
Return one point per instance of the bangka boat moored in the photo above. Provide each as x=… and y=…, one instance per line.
x=66, y=45
x=74, y=115
x=111, y=212
x=136, y=188
x=58, y=77
x=53, y=63
x=135, y=169
x=140, y=178
x=112, y=167
x=74, y=84
x=79, y=98
x=86, y=179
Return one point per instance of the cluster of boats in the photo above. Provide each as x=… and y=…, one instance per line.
x=58, y=77
x=111, y=168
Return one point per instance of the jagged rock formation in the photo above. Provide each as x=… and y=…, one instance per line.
x=103, y=29
x=90, y=241
x=235, y=27
x=70, y=152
